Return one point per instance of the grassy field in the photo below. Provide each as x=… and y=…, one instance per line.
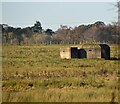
x=36, y=73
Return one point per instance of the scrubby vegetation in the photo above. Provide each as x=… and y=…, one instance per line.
x=97, y=32
x=36, y=73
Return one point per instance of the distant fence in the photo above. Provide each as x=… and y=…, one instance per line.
x=64, y=42
x=73, y=42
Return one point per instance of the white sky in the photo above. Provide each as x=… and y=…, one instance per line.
x=53, y=14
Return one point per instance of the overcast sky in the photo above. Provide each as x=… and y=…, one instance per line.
x=53, y=14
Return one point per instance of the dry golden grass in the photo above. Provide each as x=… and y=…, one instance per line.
x=36, y=73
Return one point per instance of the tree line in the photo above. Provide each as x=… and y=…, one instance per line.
x=97, y=32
